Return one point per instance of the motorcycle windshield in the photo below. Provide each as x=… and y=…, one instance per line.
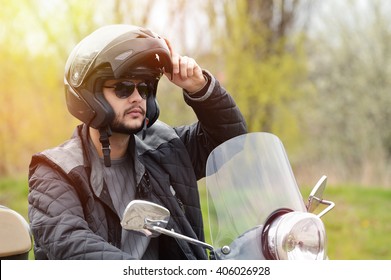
x=247, y=178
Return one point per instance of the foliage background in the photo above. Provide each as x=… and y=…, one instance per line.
x=315, y=73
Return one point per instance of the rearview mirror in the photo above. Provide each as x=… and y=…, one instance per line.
x=138, y=213
x=151, y=220
x=316, y=198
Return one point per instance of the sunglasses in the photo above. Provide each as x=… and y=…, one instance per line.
x=124, y=89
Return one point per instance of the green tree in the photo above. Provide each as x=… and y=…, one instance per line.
x=264, y=63
x=35, y=38
x=349, y=122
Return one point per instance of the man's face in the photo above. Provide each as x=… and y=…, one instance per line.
x=128, y=100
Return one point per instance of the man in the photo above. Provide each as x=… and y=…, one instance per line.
x=121, y=152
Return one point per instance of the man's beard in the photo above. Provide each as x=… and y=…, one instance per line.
x=118, y=127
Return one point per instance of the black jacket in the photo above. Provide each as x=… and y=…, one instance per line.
x=70, y=210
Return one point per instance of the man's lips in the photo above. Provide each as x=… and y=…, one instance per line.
x=137, y=111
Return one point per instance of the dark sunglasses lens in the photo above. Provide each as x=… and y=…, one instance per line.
x=124, y=89
x=143, y=90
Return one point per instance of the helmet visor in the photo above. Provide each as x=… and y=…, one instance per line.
x=84, y=54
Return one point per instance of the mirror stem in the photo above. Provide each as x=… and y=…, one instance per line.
x=180, y=236
x=329, y=207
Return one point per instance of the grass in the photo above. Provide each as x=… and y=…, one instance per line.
x=13, y=194
x=358, y=228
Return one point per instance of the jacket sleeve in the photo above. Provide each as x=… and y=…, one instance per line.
x=219, y=119
x=57, y=220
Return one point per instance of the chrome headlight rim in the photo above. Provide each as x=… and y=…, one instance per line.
x=289, y=234
x=269, y=255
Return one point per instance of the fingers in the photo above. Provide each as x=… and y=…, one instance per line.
x=187, y=66
x=183, y=66
x=187, y=73
x=175, y=59
x=168, y=44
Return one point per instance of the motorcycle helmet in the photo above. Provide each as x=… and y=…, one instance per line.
x=113, y=52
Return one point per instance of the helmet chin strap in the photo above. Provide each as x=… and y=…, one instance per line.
x=105, y=133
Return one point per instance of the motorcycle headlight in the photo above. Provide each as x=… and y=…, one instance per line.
x=294, y=236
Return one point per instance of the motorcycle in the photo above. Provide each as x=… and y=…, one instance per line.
x=255, y=208
x=15, y=235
